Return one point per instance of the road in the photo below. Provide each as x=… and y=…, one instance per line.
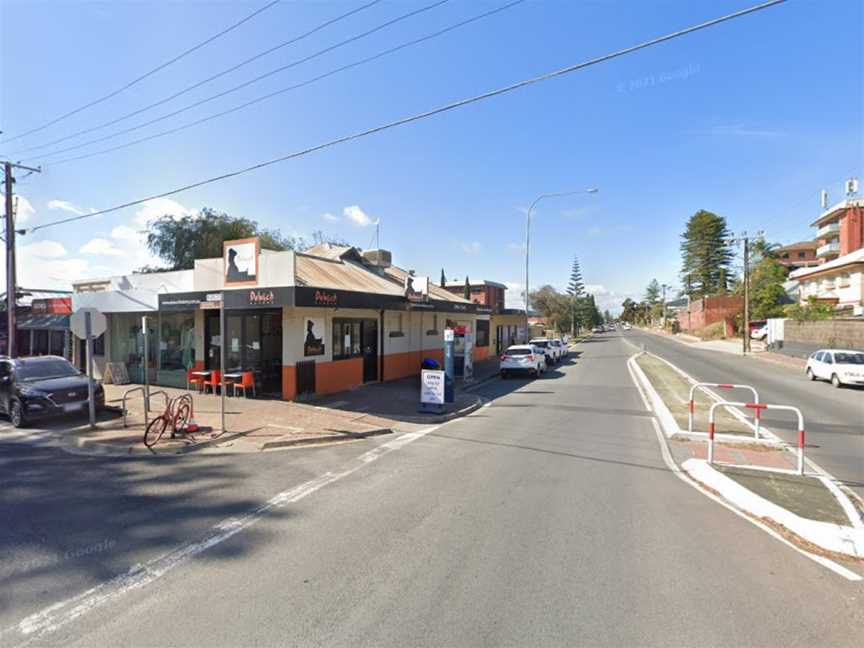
x=547, y=518
x=834, y=418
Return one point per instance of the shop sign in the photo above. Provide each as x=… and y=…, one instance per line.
x=416, y=288
x=240, y=261
x=52, y=306
x=313, y=344
x=330, y=298
x=259, y=298
x=432, y=387
x=324, y=298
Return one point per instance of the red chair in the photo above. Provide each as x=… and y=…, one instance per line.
x=247, y=380
x=213, y=381
x=194, y=379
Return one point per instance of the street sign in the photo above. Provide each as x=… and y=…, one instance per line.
x=98, y=323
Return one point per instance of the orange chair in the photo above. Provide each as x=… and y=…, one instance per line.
x=193, y=379
x=247, y=380
x=213, y=381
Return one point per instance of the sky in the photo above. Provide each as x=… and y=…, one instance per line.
x=749, y=119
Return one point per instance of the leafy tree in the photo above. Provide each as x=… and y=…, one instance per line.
x=554, y=306
x=811, y=311
x=179, y=241
x=768, y=298
x=629, y=311
x=467, y=291
x=443, y=279
x=652, y=292
x=706, y=254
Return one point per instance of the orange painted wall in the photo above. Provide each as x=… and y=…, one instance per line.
x=481, y=353
x=338, y=375
x=402, y=365
x=289, y=382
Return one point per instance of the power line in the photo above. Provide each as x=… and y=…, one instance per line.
x=424, y=115
x=296, y=86
x=145, y=75
x=187, y=89
x=231, y=90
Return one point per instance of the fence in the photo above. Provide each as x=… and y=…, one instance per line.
x=692, y=404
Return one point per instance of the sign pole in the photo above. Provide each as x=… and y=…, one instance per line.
x=88, y=335
x=146, y=363
x=449, y=370
x=222, y=360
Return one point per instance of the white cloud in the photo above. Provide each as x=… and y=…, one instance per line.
x=125, y=233
x=358, y=216
x=65, y=205
x=470, y=248
x=157, y=208
x=101, y=247
x=329, y=217
x=24, y=210
x=43, y=250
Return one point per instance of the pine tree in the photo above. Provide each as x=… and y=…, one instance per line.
x=652, y=292
x=576, y=292
x=467, y=289
x=706, y=254
x=443, y=280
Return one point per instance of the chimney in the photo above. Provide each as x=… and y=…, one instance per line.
x=378, y=258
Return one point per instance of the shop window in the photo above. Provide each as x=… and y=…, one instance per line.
x=434, y=329
x=802, y=255
x=346, y=339
x=482, y=333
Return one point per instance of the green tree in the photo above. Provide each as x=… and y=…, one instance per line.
x=706, y=254
x=629, y=311
x=553, y=306
x=768, y=298
x=443, y=279
x=179, y=241
x=652, y=292
x=467, y=290
x=576, y=292
x=812, y=310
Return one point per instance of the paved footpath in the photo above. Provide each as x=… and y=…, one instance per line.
x=834, y=418
x=545, y=519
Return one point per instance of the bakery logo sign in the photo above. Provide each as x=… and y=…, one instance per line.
x=325, y=299
x=259, y=297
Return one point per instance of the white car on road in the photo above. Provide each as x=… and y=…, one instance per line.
x=840, y=366
x=522, y=358
x=552, y=353
x=562, y=348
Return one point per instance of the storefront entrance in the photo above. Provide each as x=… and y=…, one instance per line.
x=253, y=343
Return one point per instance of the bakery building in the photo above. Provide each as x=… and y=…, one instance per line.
x=315, y=322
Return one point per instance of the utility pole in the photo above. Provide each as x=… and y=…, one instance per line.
x=11, y=285
x=746, y=327
x=664, y=286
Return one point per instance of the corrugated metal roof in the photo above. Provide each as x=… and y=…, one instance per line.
x=327, y=251
x=435, y=291
x=342, y=275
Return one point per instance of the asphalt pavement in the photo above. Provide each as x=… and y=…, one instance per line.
x=833, y=418
x=547, y=518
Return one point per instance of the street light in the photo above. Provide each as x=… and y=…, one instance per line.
x=591, y=190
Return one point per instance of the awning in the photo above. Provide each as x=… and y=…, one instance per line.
x=45, y=322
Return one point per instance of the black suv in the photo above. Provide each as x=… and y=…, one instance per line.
x=32, y=388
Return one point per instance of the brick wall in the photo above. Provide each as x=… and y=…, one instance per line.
x=852, y=231
x=706, y=311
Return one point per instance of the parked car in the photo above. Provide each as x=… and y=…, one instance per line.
x=561, y=346
x=626, y=326
x=597, y=329
x=522, y=358
x=760, y=333
x=840, y=366
x=548, y=349
x=38, y=387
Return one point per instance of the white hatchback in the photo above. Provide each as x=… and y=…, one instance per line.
x=522, y=358
x=840, y=366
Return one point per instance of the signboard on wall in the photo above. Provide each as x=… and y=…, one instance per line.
x=240, y=259
x=416, y=288
x=313, y=342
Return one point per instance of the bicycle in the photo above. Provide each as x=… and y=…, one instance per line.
x=178, y=412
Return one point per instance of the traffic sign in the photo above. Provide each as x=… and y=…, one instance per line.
x=98, y=323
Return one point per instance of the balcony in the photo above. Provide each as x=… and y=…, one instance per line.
x=829, y=249
x=829, y=231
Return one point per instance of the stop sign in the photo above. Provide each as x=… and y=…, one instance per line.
x=98, y=323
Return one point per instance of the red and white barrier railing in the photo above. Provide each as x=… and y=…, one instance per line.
x=757, y=407
x=702, y=385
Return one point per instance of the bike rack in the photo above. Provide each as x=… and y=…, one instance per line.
x=757, y=407
x=144, y=396
x=702, y=385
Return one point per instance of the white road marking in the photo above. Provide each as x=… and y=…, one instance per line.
x=56, y=616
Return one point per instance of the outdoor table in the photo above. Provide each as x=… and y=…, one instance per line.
x=231, y=377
